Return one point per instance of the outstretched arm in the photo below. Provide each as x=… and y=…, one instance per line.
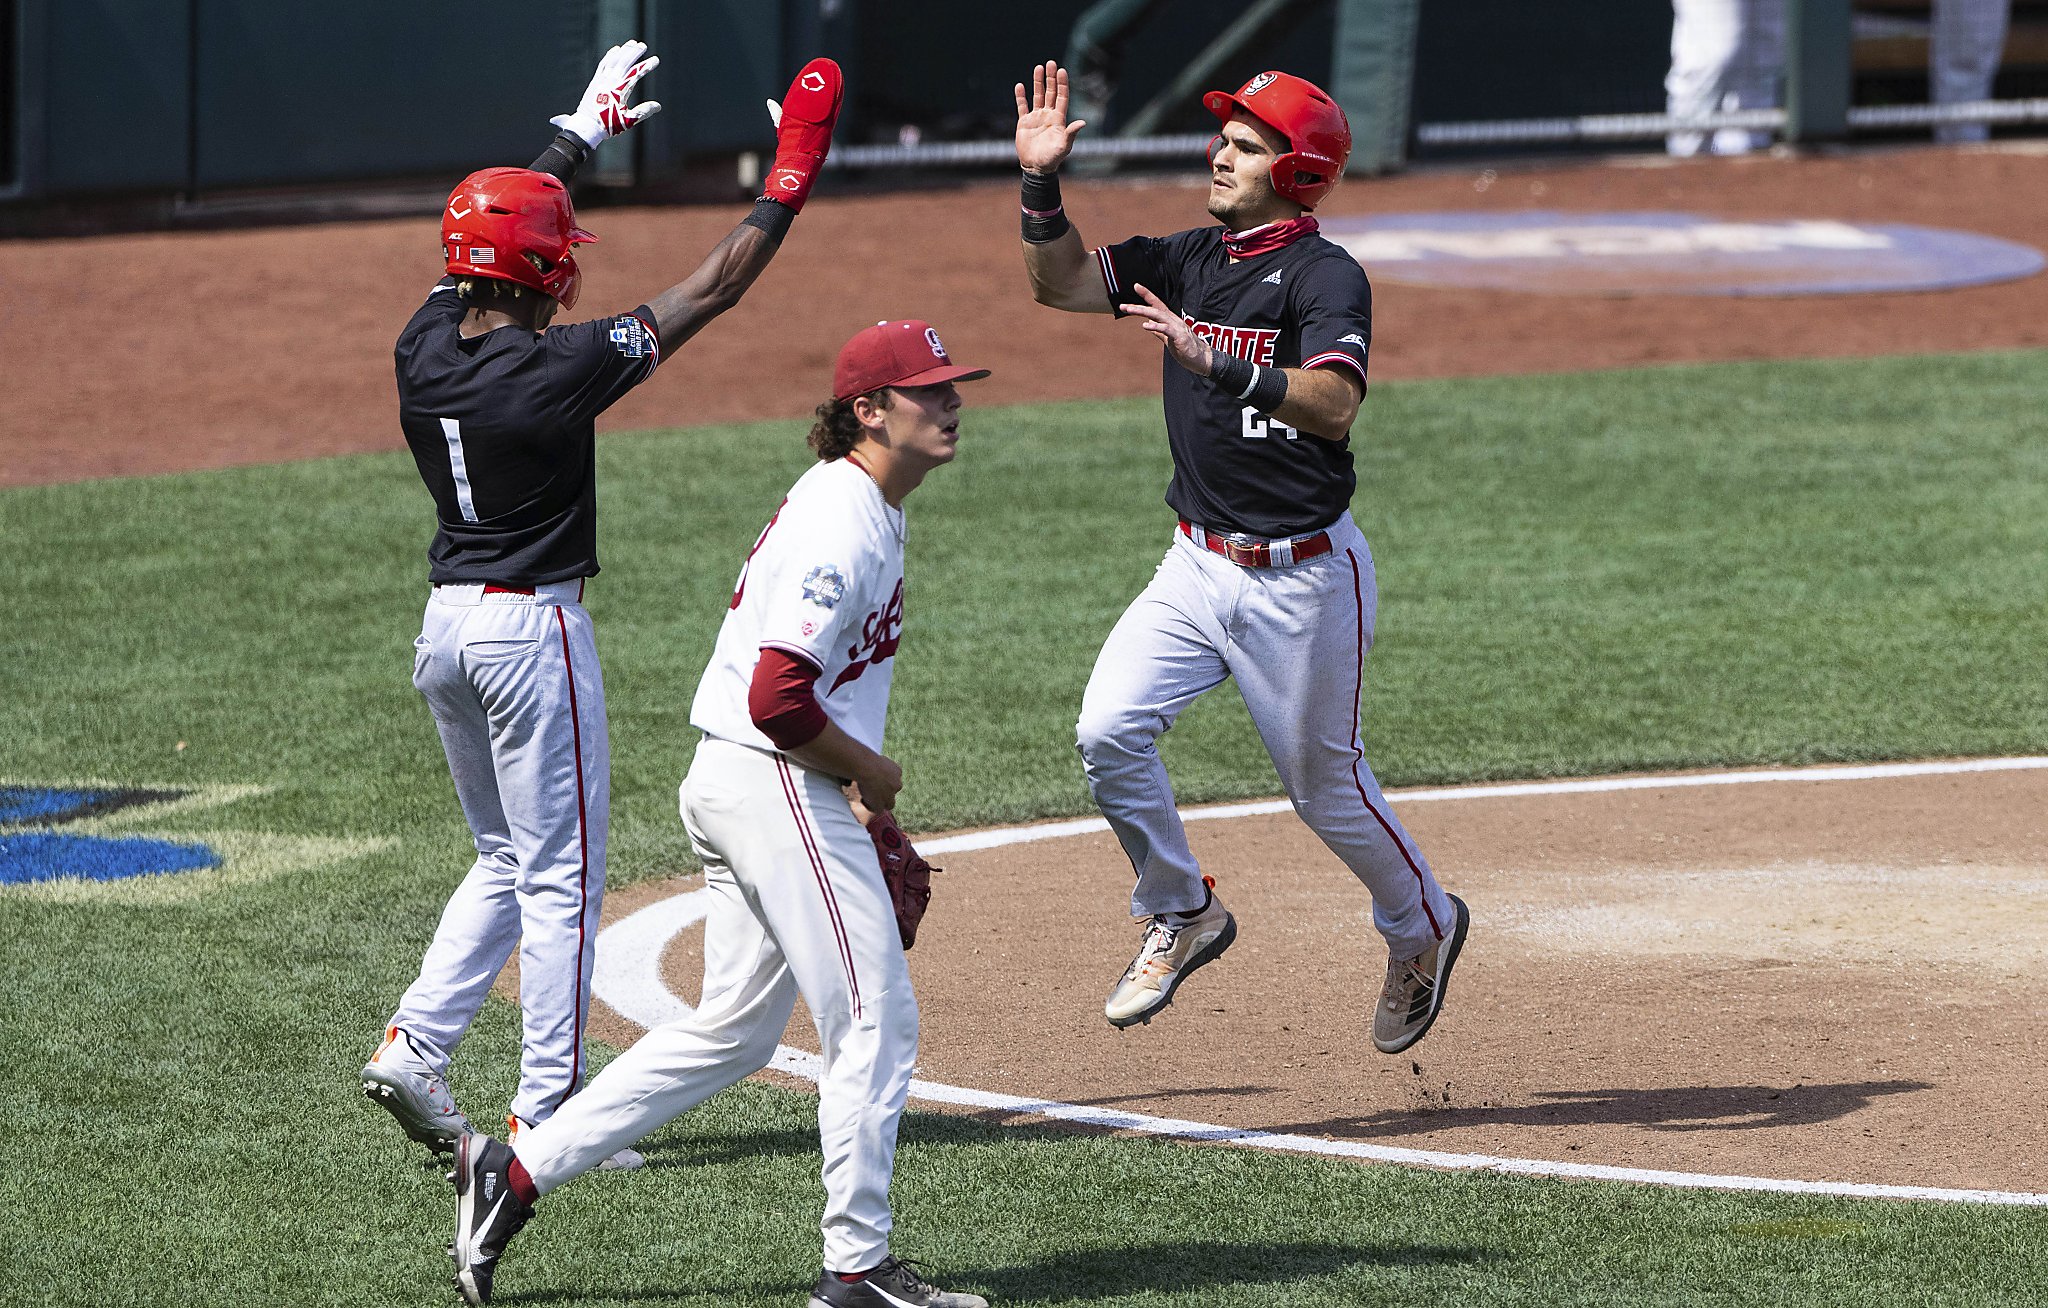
x=1320, y=401
x=803, y=135
x=605, y=111
x=1062, y=275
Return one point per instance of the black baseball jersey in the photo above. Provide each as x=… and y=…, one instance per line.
x=503, y=427
x=1305, y=305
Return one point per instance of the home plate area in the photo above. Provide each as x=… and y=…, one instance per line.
x=1829, y=979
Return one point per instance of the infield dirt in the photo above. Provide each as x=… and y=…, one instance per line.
x=1826, y=981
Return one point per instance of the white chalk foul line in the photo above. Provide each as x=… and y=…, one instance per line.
x=628, y=977
x=998, y=836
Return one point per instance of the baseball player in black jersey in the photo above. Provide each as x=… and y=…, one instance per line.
x=1266, y=327
x=499, y=410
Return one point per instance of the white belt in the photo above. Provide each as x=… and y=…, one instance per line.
x=479, y=592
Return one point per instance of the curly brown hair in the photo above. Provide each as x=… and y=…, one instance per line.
x=837, y=430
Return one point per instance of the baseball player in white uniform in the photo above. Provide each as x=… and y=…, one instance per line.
x=1963, y=53
x=499, y=409
x=1268, y=580
x=1730, y=54
x=792, y=708
x=1725, y=55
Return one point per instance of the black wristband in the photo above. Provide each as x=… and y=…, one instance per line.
x=1044, y=218
x=564, y=155
x=1265, y=389
x=771, y=217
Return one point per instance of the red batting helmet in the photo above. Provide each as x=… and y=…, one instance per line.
x=516, y=225
x=1316, y=130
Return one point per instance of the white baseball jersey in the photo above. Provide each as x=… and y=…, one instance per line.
x=824, y=581
x=797, y=901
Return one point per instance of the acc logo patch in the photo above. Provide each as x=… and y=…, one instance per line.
x=825, y=586
x=632, y=337
x=1352, y=338
x=1259, y=83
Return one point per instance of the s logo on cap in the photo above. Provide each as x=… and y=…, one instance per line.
x=931, y=336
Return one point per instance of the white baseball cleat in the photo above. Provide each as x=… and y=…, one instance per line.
x=1175, y=945
x=408, y=1087
x=1414, y=992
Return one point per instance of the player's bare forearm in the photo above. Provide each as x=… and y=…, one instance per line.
x=1064, y=277
x=1320, y=401
x=682, y=310
x=875, y=777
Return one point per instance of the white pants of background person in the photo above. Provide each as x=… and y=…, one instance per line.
x=1725, y=55
x=514, y=687
x=1962, y=58
x=798, y=906
x=1294, y=639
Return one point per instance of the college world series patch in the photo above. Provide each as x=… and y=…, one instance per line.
x=632, y=337
x=825, y=586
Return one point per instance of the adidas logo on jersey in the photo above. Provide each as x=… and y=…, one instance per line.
x=1272, y=278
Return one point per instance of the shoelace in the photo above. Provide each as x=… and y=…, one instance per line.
x=1401, y=974
x=1159, y=938
x=905, y=1273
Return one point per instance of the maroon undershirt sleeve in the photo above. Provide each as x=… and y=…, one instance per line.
x=783, y=700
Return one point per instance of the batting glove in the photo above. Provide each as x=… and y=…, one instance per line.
x=803, y=131
x=604, y=111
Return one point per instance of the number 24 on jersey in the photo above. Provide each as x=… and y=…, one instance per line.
x=1258, y=426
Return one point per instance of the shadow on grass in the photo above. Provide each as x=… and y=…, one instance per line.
x=1210, y=1267
x=1671, y=1108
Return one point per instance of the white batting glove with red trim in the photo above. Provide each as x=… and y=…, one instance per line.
x=605, y=111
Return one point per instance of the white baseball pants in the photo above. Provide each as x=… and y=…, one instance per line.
x=514, y=687
x=798, y=906
x=1295, y=640
x=1725, y=54
x=1962, y=58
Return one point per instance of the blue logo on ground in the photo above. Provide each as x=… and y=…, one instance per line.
x=32, y=850
x=1673, y=254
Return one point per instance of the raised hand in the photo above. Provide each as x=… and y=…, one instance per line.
x=1188, y=350
x=803, y=120
x=606, y=109
x=1044, y=136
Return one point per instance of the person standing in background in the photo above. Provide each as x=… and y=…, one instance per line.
x=1725, y=55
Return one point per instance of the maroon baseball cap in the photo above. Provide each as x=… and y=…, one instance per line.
x=904, y=353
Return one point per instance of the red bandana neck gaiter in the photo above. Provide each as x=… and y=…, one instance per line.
x=1268, y=237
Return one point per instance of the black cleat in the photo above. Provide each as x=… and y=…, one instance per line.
x=893, y=1284
x=487, y=1213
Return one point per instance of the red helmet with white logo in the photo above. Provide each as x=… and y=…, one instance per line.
x=1317, y=132
x=516, y=225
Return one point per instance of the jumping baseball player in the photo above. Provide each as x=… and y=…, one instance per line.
x=792, y=707
x=1265, y=326
x=499, y=410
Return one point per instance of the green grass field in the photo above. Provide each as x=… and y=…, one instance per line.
x=1579, y=574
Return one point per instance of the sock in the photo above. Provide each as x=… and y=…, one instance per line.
x=521, y=1183
x=1208, y=898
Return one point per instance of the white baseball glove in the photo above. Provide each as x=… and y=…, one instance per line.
x=605, y=111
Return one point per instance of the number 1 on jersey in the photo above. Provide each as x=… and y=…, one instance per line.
x=1258, y=426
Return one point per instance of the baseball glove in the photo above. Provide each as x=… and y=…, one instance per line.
x=904, y=870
